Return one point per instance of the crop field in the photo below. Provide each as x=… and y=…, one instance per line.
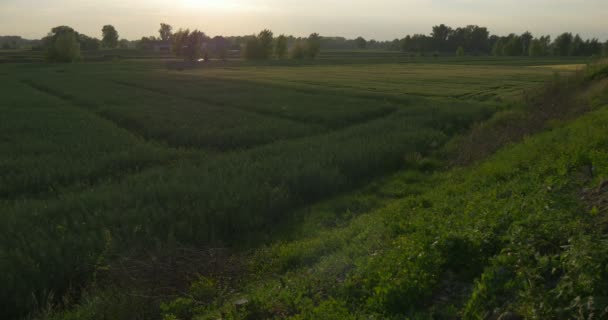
x=116, y=157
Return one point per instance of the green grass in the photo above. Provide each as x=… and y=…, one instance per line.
x=111, y=158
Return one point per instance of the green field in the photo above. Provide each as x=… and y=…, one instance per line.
x=131, y=158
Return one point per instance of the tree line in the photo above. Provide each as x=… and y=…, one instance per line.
x=195, y=45
x=65, y=44
x=476, y=40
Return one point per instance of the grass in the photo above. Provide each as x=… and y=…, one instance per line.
x=114, y=158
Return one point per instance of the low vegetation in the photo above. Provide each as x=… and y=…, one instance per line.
x=232, y=155
x=155, y=164
x=519, y=235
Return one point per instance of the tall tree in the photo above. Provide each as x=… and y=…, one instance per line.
x=441, y=34
x=540, y=47
x=361, y=43
x=499, y=46
x=193, y=48
x=110, y=36
x=536, y=48
x=593, y=46
x=179, y=41
x=562, y=44
x=280, y=48
x=266, y=41
x=63, y=46
x=577, y=47
x=313, y=45
x=477, y=39
x=188, y=45
x=513, y=46
x=526, y=40
x=165, y=31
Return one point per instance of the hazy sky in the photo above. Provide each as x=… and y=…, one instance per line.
x=379, y=19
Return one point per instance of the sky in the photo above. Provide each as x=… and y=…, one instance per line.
x=375, y=19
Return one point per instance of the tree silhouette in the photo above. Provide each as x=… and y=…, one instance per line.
x=110, y=36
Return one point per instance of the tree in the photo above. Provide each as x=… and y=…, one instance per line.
x=165, y=31
x=361, y=43
x=395, y=45
x=460, y=52
x=88, y=43
x=193, y=48
x=124, y=44
x=457, y=37
x=536, y=49
x=441, y=34
x=499, y=46
x=562, y=44
x=577, y=47
x=298, y=51
x=259, y=47
x=313, y=45
x=188, y=45
x=605, y=50
x=280, y=48
x=418, y=43
x=146, y=43
x=475, y=39
x=513, y=46
x=594, y=47
x=64, y=47
x=110, y=36
x=526, y=40
x=61, y=29
x=266, y=41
